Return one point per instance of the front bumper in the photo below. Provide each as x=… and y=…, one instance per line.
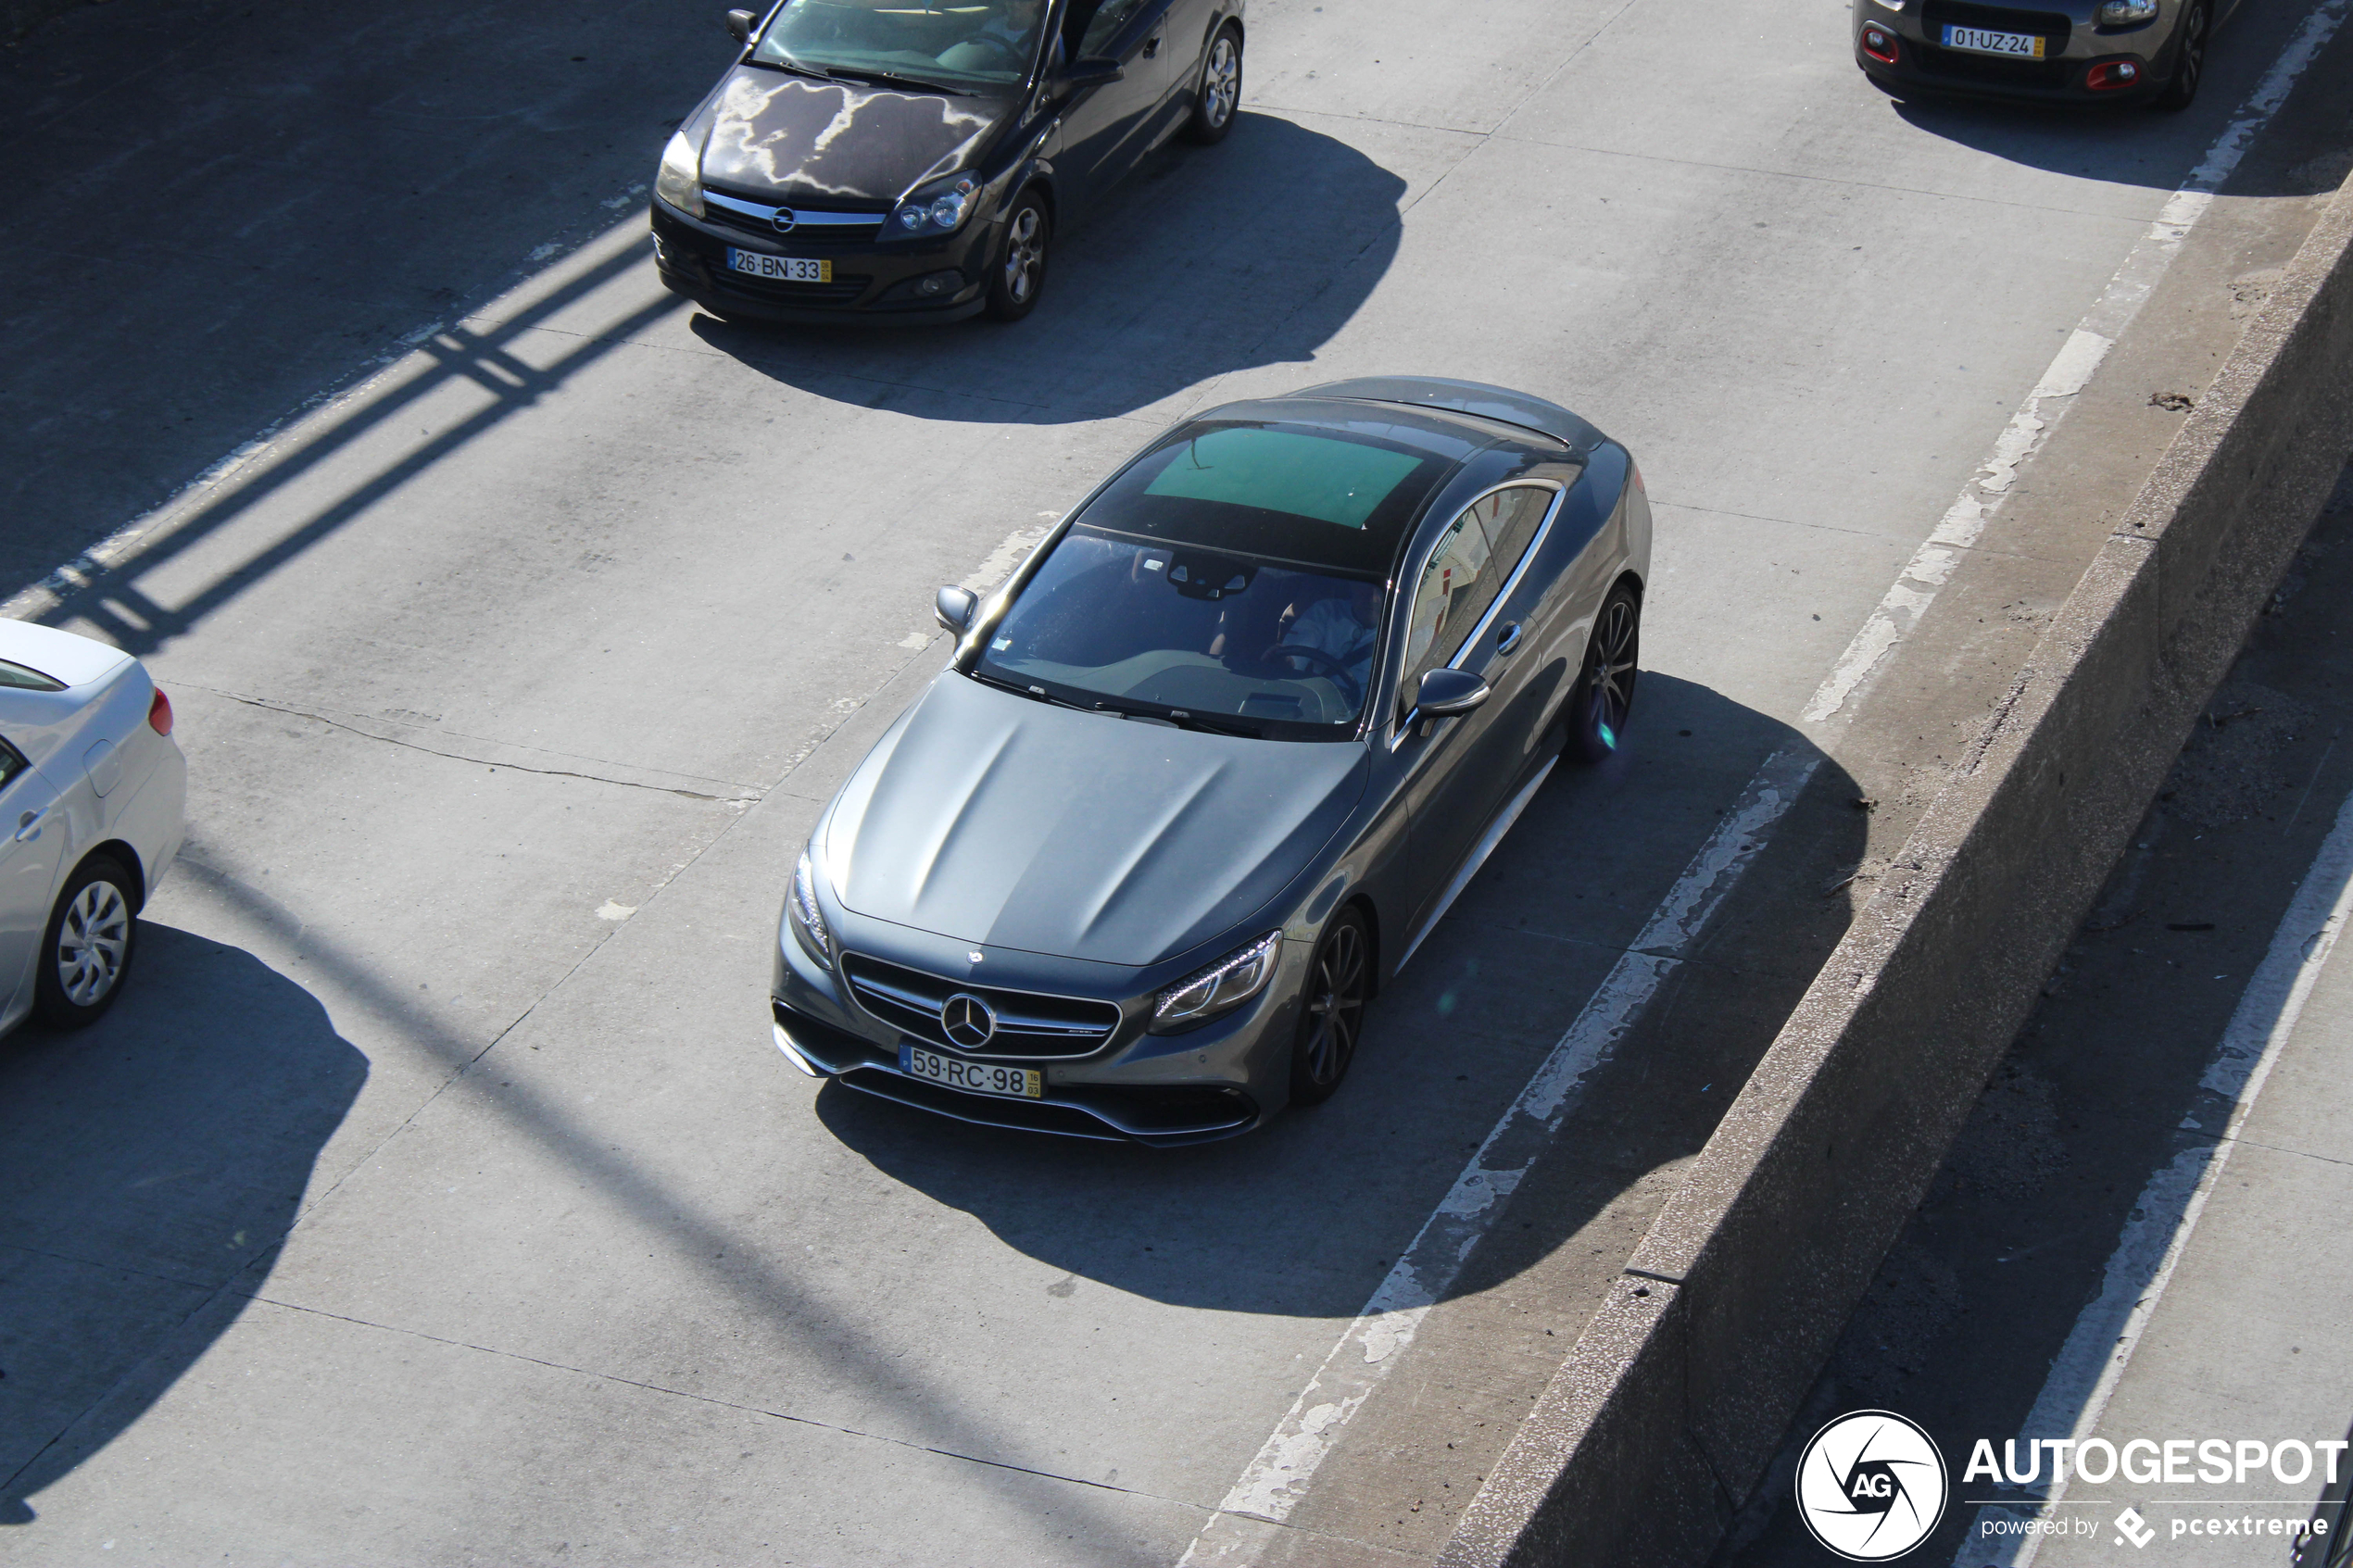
x=1215, y=1081
x=1922, y=64
x=873, y=280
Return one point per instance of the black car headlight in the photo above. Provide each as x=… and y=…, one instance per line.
x=938, y=209
x=808, y=922
x=1218, y=989
x=679, y=181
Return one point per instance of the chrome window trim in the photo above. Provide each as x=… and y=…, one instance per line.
x=1403, y=727
x=803, y=218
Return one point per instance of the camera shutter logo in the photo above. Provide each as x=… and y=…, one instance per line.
x=1871, y=1486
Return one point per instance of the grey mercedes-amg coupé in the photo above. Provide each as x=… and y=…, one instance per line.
x=1212, y=764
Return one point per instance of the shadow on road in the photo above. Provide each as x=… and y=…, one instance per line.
x=1207, y=260
x=1303, y=1218
x=151, y=1161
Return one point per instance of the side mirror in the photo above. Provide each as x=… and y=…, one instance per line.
x=1080, y=75
x=1445, y=693
x=740, y=23
x=955, y=606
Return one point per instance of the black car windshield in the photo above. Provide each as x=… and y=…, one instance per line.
x=1224, y=639
x=969, y=45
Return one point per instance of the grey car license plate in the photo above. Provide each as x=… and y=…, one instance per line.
x=784, y=269
x=1978, y=41
x=973, y=1077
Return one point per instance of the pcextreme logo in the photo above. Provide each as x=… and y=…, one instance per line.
x=1870, y=1485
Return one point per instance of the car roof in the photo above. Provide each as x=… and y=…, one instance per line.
x=63, y=657
x=1494, y=404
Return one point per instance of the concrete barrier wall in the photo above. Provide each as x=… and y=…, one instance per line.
x=1678, y=1393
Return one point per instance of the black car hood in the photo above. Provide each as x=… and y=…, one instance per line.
x=995, y=820
x=792, y=137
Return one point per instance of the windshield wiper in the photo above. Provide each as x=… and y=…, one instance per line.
x=1034, y=694
x=797, y=68
x=1178, y=717
x=891, y=79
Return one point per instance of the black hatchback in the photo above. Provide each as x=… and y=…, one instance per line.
x=911, y=159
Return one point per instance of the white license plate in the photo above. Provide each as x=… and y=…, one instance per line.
x=1978, y=41
x=784, y=269
x=973, y=1077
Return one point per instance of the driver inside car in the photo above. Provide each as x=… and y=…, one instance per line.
x=1343, y=629
x=1003, y=40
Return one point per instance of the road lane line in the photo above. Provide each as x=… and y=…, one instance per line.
x=2054, y=394
x=2088, y=1366
x=1255, y=1509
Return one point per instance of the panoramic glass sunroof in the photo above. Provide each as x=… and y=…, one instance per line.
x=1281, y=470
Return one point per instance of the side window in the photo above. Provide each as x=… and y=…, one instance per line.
x=1511, y=518
x=1104, y=25
x=1454, y=591
x=12, y=762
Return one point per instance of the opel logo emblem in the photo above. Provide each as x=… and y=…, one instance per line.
x=968, y=1022
x=784, y=219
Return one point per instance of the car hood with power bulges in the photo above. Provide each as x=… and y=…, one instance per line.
x=999, y=820
x=795, y=139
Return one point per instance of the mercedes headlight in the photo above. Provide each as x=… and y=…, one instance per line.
x=680, y=180
x=1220, y=988
x=935, y=209
x=801, y=912
x=2126, y=13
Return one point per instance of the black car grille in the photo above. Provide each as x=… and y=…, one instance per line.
x=2053, y=26
x=1028, y=1024
x=1992, y=70
x=869, y=226
x=843, y=290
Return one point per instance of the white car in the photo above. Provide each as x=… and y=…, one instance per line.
x=92, y=791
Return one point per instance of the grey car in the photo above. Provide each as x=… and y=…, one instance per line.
x=2092, y=50
x=1202, y=775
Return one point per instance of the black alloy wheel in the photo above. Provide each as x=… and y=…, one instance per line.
x=1332, y=1010
x=2189, y=58
x=1219, y=92
x=1605, y=693
x=86, y=951
x=1020, y=271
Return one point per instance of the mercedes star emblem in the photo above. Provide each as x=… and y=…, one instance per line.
x=784, y=219
x=967, y=1021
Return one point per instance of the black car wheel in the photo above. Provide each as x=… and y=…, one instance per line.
x=2189, y=58
x=87, y=950
x=1220, y=93
x=1332, y=1011
x=1605, y=691
x=1020, y=271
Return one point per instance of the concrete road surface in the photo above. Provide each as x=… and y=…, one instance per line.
x=435, y=1196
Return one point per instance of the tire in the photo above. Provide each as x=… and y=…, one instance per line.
x=1218, y=95
x=2189, y=59
x=1605, y=693
x=1331, y=1014
x=1018, y=274
x=85, y=954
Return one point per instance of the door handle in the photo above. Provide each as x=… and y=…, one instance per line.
x=28, y=825
x=1508, y=638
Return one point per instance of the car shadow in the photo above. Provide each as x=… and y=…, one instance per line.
x=1206, y=260
x=1304, y=1217
x=153, y=1163
x=2132, y=144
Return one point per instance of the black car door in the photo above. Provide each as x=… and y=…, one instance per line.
x=1471, y=609
x=1106, y=129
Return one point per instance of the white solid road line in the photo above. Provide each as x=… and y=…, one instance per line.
x=2085, y=1372
x=2081, y=355
x=1270, y=1487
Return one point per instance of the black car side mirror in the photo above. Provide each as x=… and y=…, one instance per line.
x=1080, y=75
x=955, y=606
x=1445, y=692
x=740, y=23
